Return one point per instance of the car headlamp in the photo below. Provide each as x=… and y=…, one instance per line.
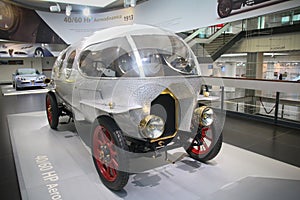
x=205, y=115
x=152, y=126
x=21, y=78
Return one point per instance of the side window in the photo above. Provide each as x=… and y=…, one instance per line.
x=61, y=61
x=112, y=58
x=98, y=63
x=70, y=62
x=59, y=64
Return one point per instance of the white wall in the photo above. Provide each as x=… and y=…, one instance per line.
x=47, y=64
x=269, y=43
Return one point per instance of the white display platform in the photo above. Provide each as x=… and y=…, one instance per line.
x=68, y=171
x=8, y=90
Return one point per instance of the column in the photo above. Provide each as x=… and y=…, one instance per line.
x=254, y=70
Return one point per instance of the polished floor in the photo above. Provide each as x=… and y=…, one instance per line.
x=280, y=143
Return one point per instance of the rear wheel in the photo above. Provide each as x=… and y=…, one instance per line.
x=108, y=146
x=224, y=8
x=52, y=110
x=206, y=145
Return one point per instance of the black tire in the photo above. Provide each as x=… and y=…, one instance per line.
x=224, y=8
x=52, y=110
x=110, y=161
x=203, y=151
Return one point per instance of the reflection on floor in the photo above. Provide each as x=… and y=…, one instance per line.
x=234, y=174
x=280, y=143
x=8, y=90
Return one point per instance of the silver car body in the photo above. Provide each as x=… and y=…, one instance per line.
x=127, y=97
x=133, y=94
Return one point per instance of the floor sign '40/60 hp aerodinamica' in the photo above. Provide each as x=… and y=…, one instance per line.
x=132, y=92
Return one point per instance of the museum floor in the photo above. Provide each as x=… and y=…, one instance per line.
x=279, y=143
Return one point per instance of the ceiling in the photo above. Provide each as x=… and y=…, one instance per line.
x=95, y=6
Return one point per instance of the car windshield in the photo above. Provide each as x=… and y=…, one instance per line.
x=27, y=72
x=164, y=55
x=140, y=55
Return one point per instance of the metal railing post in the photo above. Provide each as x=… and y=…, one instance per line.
x=276, y=107
x=222, y=98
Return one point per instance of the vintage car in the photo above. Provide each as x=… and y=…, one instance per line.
x=226, y=6
x=27, y=78
x=132, y=92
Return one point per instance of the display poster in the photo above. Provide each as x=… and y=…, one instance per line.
x=180, y=16
x=20, y=24
x=22, y=50
x=76, y=26
x=25, y=25
x=175, y=15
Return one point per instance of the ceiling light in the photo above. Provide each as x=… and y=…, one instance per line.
x=86, y=11
x=55, y=8
x=129, y=3
x=68, y=10
x=96, y=3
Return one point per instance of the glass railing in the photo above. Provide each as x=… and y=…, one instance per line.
x=277, y=101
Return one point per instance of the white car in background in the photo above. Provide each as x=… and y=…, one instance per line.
x=28, y=78
x=296, y=79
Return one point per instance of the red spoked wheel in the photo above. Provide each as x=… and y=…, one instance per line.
x=206, y=145
x=108, y=144
x=52, y=110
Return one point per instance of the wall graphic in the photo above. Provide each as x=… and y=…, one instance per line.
x=77, y=26
x=177, y=16
x=227, y=8
x=13, y=50
x=24, y=25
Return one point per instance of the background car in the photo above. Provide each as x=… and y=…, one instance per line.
x=27, y=78
x=296, y=79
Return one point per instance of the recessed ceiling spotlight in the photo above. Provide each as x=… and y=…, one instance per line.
x=129, y=3
x=68, y=10
x=55, y=8
x=86, y=11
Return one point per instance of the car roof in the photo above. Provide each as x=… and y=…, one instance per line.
x=121, y=31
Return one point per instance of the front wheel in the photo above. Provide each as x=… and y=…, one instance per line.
x=39, y=53
x=108, y=146
x=206, y=145
x=52, y=110
x=224, y=8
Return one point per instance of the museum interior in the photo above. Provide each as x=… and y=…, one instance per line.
x=160, y=67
